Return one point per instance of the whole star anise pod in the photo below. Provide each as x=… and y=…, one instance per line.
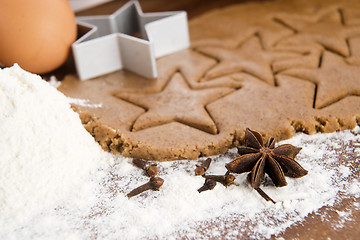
x=260, y=158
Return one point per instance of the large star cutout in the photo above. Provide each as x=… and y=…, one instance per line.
x=250, y=58
x=177, y=102
x=325, y=28
x=335, y=79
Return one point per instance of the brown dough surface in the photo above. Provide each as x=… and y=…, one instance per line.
x=276, y=67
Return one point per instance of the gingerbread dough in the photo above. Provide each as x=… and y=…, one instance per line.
x=277, y=67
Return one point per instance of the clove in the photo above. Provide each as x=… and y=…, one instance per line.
x=208, y=185
x=151, y=170
x=201, y=169
x=154, y=183
x=226, y=180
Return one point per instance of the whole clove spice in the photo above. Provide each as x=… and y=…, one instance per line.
x=150, y=169
x=154, y=183
x=226, y=180
x=201, y=169
x=208, y=185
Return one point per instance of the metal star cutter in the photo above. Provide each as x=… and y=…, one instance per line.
x=112, y=42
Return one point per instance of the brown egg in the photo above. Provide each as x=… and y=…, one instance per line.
x=36, y=34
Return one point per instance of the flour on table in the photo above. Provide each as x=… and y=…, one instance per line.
x=56, y=182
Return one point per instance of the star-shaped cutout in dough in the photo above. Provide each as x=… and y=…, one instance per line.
x=176, y=102
x=324, y=28
x=270, y=31
x=335, y=79
x=250, y=58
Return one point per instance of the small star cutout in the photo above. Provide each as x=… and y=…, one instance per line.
x=270, y=32
x=325, y=28
x=335, y=79
x=250, y=58
x=177, y=102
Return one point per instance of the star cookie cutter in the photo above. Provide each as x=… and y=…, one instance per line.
x=112, y=44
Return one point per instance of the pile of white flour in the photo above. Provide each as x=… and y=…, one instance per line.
x=46, y=155
x=56, y=182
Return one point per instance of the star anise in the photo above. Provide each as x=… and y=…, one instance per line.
x=260, y=158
